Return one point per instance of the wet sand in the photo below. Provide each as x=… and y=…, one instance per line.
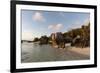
x=76, y=53
x=84, y=51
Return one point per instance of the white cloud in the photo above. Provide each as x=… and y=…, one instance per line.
x=86, y=21
x=27, y=36
x=55, y=27
x=37, y=16
x=78, y=24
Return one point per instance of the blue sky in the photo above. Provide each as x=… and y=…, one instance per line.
x=39, y=23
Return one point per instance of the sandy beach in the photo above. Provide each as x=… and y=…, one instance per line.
x=84, y=51
x=77, y=53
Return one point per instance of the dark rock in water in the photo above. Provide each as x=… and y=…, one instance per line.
x=80, y=42
x=43, y=40
x=58, y=39
x=67, y=39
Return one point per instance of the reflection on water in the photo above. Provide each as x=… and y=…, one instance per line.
x=33, y=52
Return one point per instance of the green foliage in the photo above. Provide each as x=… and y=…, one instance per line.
x=83, y=32
x=36, y=39
x=44, y=39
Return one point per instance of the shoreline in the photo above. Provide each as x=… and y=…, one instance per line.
x=84, y=51
x=46, y=53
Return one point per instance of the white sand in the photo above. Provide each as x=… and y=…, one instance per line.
x=84, y=51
